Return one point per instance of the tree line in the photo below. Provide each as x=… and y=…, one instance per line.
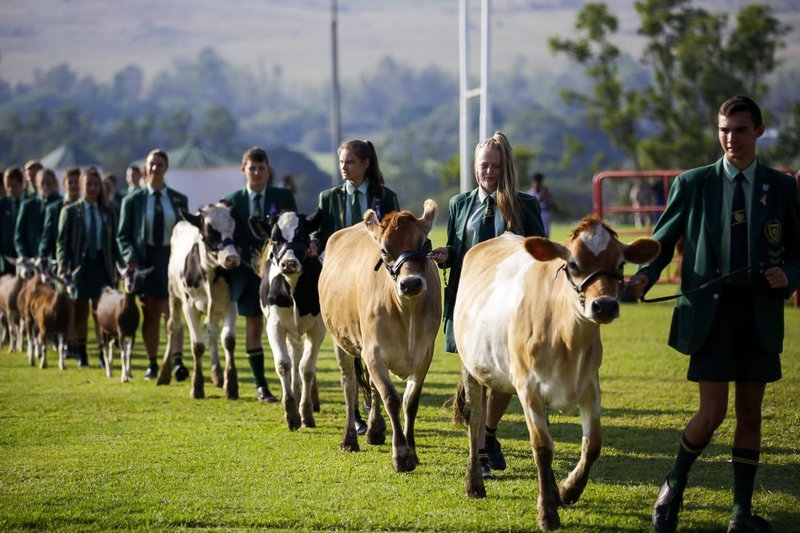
x=613, y=111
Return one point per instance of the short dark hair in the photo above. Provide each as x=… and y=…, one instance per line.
x=13, y=174
x=255, y=154
x=739, y=104
x=135, y=168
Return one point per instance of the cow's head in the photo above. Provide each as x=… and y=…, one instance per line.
x=216, y=227
x=132, y=278
x=593, y=262
x=289, y=236
x=404, y=245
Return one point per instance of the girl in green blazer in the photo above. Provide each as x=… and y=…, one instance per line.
x=86, y=231
x=497, y=200
x=147, y=217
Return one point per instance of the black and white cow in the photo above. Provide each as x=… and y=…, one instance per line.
x=290, y=302
x=202, y=250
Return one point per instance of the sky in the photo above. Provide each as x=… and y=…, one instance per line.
x=101, y=38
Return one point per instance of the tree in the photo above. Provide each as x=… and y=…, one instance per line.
x=695, y=62
x=219, y=129
x=175, y=126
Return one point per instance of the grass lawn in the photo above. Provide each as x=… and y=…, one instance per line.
x=81, y=452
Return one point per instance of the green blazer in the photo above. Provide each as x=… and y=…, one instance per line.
x=30, y=222
x=47, y=244
x=276, y=200
x=332, y=209
x=8, y=223
x=72, y=241
x=693, y=212
x=131, y=236
x=459, y=209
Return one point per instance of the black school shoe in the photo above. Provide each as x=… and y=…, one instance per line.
x=751, y=524
x=666, y=509
x=496, y=458
x=265, y=396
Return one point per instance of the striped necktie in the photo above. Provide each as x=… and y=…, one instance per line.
x=486, y=227
x=257, y=205
x=355, y=208
x=92, y=232
x=158, y=220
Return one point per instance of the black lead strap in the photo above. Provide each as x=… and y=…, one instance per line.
x=699, y=288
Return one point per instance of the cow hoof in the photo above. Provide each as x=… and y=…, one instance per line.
x=549, y=521
x=350, y=441
x=568, y=495
x=181, y=373
x=476, y=492
x=164, y=378
x=309, y=422
x=404, y=463
x=231, y=392
x=216, y=376
x=375, y=438
x=198, y=394
x=292, y=420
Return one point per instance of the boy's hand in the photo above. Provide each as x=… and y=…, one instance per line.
x=776, y=278
x=312, y=250
x=635, y=287
x=440, y=255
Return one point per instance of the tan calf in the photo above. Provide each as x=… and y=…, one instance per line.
x=527, y=321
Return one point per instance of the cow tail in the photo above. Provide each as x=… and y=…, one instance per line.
x=362, y=378
x=459, y=405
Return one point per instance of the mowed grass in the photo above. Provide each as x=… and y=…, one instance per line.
x=81, y=452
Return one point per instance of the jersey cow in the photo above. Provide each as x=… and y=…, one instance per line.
x=289, y=299
x=527, y=321
x=387, y=314
x=202, y=251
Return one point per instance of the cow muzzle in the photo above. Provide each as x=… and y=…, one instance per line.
x=411, y=286
x=603, y=310
x=229, y=259
x=289, y=265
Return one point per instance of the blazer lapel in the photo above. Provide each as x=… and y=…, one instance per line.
x=462, y=222
x=712, y=207
x=337, y=200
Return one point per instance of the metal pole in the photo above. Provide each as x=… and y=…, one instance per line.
x=336, y=117
x=463, y=123
x=485, y=126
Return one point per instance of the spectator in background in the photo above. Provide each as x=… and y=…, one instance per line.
x=639, y=198
x=133, y=176
x=70, y=181
x=547, y=201
x=31, y=169
x=113, y=196
x=30, y=221
x=287, y=182
x=13, y=181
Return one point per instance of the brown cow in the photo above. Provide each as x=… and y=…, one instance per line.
x=527, y=321
x=387, y=314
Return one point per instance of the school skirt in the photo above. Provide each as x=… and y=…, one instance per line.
x=732, y=350
x=155, y=283
x=92, y=277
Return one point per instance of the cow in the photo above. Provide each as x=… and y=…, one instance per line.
x=387, y=313
x=527, y=321
x=202, y=252
x=289, y=299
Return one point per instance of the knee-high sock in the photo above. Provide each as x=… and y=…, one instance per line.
x=687, y=453
x=745, y=464
x=256, y=360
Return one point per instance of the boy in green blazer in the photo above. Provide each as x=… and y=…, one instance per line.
x=735, y=215
x=10, y=205
x=257, y=198
x=30, y=220
x=70, y=183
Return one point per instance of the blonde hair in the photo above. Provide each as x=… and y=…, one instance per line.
x=507, y=200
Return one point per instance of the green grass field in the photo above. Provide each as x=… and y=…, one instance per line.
x=80, y=452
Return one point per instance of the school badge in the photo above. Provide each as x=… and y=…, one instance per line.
x=772, y=230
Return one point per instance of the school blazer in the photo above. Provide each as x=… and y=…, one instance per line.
x=131, y=237
x=72, y=241
x=30, y=221
x=8, y=224
x=458, y=213
x=693, y=212
x=275, y=200
x=332, y=209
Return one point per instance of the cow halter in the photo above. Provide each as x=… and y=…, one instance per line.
x=588, y=280
x=299, y=249
x=394, y=269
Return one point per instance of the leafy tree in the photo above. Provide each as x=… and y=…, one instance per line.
x=695, y=63
x=176, y=126
x=219, y=130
